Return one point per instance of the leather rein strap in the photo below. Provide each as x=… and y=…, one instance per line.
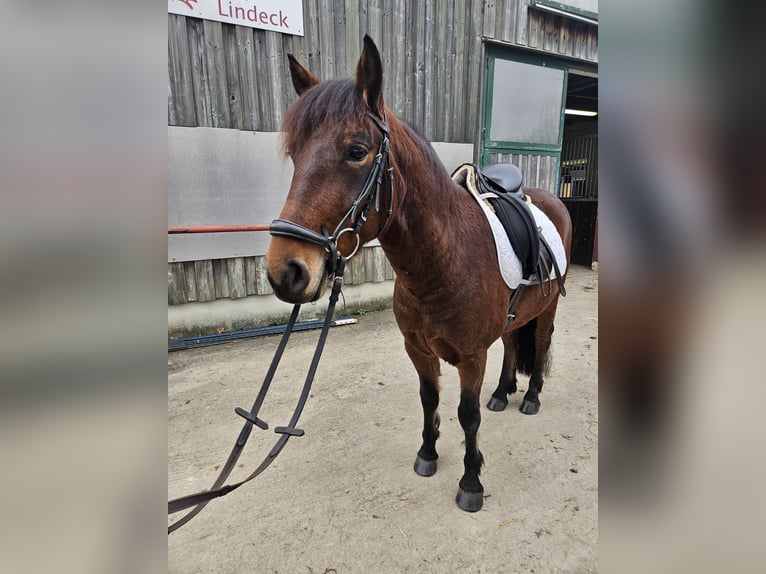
x=356, y=216
x=200, y=500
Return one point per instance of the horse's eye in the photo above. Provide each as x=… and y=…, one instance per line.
x=356, y=153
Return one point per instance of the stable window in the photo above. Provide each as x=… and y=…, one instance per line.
x=528, y=98
x=524, y=106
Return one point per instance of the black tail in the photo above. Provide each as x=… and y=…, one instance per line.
x=526, y=354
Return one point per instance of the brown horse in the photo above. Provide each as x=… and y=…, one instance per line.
x=450, y=300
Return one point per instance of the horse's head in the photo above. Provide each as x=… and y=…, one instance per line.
x=333, y=133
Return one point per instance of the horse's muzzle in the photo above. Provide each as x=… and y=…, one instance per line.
x=293, y=282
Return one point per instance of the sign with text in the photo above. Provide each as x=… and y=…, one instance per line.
x=284, y=16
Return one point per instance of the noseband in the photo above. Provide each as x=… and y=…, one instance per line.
x=356, y=216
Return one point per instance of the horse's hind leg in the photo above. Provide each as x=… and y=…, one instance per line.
x=534, y=352
x=427, y=367
x=470, y=496
x=507, y=385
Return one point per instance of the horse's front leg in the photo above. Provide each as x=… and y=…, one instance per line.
x=470, y=496
x=427, y=366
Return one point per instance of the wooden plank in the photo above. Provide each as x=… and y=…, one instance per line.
x=294, y=45
x=549, y=23
x=176, y=284
x=408, y=100
x=262, y=285
x=250, y=276
x=364, y=25
x=565, y=45
x=507, y=32
x=449, y=70
x=387, y=41
x=535, y=30
x=326, y=40
x=233, y=88
x=418, y=51
x=592, y=51
x=521, y=22
x=183, y=93
x=190, y=280
x=439, y=65
x=389, y=271
x=203, y=272
x=490, y=17
x=357, y=269
x=397, y=68
x=367, y=255
x=220, y=279
x=339, y=22
x=374, y=26
x=429, y=56
x=310, y=57
x=352, y=35
x=172, y=119
x=220, y=116
x=261, y=84
x=378, y=264
x=475, y=62
x=199, y=73
x=579, y=39
x=276, y=78
x=247, y=78
x=458, y=72
x=235, y=267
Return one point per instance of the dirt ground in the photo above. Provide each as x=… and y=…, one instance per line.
x=345, y=499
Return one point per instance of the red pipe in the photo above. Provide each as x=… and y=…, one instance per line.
x=216, y=228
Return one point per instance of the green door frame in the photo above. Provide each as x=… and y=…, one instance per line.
x=487, y=146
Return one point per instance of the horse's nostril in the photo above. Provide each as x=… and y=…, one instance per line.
x=296, y=277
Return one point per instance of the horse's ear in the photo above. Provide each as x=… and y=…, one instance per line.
x=369, y=76
x=303, y=79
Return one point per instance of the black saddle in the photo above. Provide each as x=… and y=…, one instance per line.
x=503, y=180
x=503, y=177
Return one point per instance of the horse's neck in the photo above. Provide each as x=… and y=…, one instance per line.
x=417, y=241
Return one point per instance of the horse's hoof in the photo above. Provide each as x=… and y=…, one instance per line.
x=529, y=408
x=425, y=467
x=496, y=404
x=469, y=501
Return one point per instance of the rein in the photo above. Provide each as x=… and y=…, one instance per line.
x=200, y=500
x=356, y=216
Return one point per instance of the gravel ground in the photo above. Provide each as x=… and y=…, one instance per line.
x=344, y=498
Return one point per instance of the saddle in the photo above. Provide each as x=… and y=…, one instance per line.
x=500, y=184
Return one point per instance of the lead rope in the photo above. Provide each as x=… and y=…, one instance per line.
x=200, y=499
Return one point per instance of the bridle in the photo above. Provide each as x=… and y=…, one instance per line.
x=356, y=216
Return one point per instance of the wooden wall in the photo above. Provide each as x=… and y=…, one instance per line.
x=227, y=76
x=238, y=277
x=539, y=170
x=514, y=22
x=221, y=75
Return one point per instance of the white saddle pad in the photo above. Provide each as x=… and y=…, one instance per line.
x=509, y=262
